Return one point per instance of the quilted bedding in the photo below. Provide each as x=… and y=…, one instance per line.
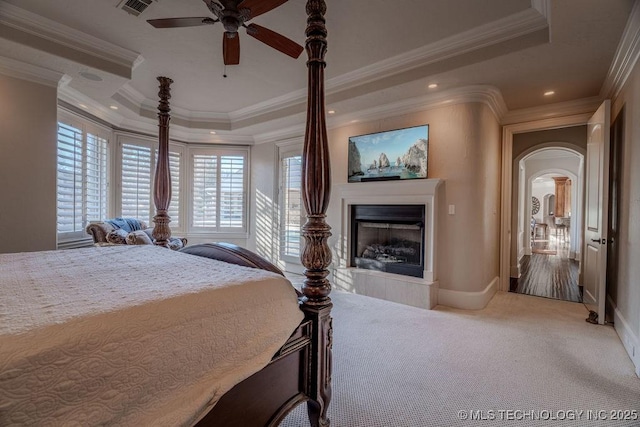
x=132, y=335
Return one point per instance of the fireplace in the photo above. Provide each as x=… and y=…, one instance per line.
x=388, y=238
x=403, y=211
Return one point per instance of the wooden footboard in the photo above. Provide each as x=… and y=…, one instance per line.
x=233, y=254
x=266, y=397
x=291, y=377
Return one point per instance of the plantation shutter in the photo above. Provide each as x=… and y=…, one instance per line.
x=95, y=195
x=136, y=182
x=174, y=207
x=231, y=191
x=291, y=205
x=81, y=180
x=69, y=180
x=205, y=190
x=174, y=168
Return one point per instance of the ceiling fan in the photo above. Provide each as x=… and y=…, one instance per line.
x=233, y=14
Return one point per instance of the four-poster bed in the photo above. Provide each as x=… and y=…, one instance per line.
x=258, y=392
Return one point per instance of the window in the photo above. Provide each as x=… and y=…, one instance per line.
x=137, y=171
x=290, y=205
x=136, y=182
x=219, y=190
x=81, y=178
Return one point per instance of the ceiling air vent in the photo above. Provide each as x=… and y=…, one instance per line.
x=134, y=7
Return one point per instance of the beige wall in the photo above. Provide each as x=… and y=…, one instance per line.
x=28, y=119
x=627, y=292
x=464, y=151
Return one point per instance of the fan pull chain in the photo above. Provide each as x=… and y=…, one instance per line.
x=224, y=72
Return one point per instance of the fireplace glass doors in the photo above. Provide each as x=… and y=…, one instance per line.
x=388, y=238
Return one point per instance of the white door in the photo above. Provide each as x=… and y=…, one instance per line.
x=595, y=234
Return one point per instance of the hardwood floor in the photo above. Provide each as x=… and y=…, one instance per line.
x=549, y=272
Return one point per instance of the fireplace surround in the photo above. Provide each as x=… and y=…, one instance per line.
x=420, y=289
x=388, y=238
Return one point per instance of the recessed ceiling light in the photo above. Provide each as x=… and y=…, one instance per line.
x=549, y=93
x=90, y=76
x=213, y=132
x=353, y=121
x=113, y=107
x=433, y=85
x=331, y=112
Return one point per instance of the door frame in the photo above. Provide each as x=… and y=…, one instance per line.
x=507, y=179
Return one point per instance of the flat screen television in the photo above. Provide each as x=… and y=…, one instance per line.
x=390, y=155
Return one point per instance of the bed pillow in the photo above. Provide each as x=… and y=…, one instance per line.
x=175, y=243
x=149, y=232
x=138, y=237
x=117, y=237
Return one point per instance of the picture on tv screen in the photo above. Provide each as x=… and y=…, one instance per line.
x=391, y=155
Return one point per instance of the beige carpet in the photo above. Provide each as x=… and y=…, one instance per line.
x=532, y=361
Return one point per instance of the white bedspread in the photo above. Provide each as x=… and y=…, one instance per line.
x=132, y=335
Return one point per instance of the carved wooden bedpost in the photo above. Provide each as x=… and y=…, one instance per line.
x=316, y=190
x=162, y=187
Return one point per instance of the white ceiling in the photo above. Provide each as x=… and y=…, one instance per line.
x=380, y=53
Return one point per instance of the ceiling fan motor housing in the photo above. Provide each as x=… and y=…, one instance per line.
x=231, y=21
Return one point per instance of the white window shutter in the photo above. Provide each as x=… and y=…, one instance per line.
x=205, y=190
x=69, y=181
x=291, y=205
x=174, y=207
x=136, y=182
x=175, y=160
x=232, y=192
x=95, y=194
x=81, y=180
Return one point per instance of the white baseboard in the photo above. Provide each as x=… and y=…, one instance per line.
x=629, y=340
x=468, y=300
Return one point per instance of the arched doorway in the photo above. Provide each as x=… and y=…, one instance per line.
x=548, y=220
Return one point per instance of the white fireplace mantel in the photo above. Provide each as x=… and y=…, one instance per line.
x=421, y=292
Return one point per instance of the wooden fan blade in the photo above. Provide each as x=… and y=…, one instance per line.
x=258, y=7
x=180, y=22
x=231, y=48
x=275, y=40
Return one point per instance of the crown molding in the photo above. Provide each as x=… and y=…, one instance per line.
x=147, y=120
x=560, y=109
x=75, y=98
x=54, y=32
x=625, y=58
x=485, y=94
x=180, y=133
x=24, y=71
x=543, y=7
x=488, y=95
x=132, y=99
x=508, y=28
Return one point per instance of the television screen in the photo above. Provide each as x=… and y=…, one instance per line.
x=383, y=156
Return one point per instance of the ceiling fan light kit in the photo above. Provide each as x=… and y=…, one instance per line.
x=233, y=14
